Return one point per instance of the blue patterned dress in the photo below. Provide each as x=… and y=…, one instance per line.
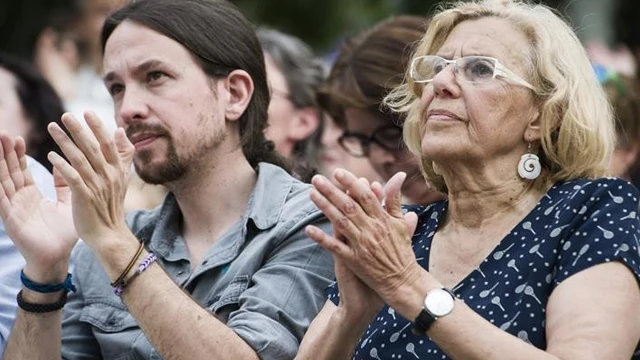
x=576, y=225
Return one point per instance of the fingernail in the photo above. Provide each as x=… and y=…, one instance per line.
x=339, y=173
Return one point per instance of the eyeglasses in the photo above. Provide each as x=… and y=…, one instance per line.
x=473, y=69
x=388, y=137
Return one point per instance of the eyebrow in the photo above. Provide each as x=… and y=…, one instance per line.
x=142, y=68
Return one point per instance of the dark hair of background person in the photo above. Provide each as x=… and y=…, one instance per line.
x=624, y=94
x=369, y=65
x=221, y=40
x=41, y=105
x=304, y=73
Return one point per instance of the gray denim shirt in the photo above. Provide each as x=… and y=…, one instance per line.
x=264, y=278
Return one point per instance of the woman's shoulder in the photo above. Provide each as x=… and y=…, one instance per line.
x=599, y=192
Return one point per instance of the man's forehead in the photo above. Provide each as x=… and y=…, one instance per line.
x=132, y=44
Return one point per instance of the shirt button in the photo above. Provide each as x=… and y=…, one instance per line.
x=205, y=262
x=180, y=272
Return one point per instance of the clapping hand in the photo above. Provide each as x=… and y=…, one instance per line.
x=41, y=229
x=374, y=241
x=97, y=173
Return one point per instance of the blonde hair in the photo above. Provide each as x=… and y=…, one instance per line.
x=576, y=120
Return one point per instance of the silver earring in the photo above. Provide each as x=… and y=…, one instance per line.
x=529, y=166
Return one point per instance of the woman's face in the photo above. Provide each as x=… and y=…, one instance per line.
x=334, y=156
x=12, y=117
x=477, y=123
x=387, y=162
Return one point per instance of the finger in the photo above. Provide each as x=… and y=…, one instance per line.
x=105, y=140
x=360, y=192
x=341, y=222
x=125, y=148
x=378, y=190
x=66, y=174
x=344, y=208
x=63, y=192
x=329, y=243
x=13, y=164
x=8, y=186
x=393, y=195
x=411, y=220
x=21, y=150
x=77, y=158
x=86, y=142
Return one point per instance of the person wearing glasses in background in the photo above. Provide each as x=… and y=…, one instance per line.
x=534, y=254
x=367, y=67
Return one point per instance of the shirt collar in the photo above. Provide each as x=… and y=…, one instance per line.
x=160, y=227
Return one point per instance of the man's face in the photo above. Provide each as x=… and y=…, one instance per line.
x=164, y=101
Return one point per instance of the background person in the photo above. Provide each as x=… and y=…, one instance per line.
x=367, y=67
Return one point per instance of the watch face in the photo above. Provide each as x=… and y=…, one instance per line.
x=439, y=302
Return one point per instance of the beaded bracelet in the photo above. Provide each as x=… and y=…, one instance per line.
x=129, y=266
x=144, y=265
x=41, y=308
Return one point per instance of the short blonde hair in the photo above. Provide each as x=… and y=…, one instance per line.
x=578, y=134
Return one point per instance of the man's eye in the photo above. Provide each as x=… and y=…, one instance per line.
x=115, y=89
x=155, y=75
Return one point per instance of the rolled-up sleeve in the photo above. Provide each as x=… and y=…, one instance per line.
x=284, y=296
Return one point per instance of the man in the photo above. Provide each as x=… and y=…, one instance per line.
x=294, y=75
x=12, y=261
x=235, y=276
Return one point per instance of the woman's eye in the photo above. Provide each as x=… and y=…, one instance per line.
x=481, y=70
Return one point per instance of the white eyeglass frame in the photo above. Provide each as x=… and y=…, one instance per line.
x=498, y=69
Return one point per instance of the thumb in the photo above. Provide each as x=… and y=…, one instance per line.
x=393, y=196
x=63, y=192
x=125, y=147
x=411, y=220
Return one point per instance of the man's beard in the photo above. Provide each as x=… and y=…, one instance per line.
x=173, y=169
x=176, y=166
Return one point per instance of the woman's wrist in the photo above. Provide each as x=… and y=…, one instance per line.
x=408, y=299
x=352, y=326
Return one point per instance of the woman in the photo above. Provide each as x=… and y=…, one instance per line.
x=539, y=251
x=27, y=104
x=334, y=156
x=368, y=66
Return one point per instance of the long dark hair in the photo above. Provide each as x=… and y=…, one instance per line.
x=41, y=105
x=221, y=40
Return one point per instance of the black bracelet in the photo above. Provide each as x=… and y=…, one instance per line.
x=41, y=308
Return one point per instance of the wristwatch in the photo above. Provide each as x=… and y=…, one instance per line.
x=437, y=303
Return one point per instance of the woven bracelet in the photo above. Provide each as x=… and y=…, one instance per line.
x=129, y=266
x=67, y=285
x=41, y=308
x=144, y=265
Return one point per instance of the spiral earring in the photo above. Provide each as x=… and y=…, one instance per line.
x=529, y=166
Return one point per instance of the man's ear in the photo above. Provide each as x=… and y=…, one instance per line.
x=304, y=123
x=239, y=87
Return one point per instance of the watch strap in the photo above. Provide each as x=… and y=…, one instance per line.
x=425, y=319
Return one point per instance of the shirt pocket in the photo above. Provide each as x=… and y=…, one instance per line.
x=115, y=329
x=227, y=301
